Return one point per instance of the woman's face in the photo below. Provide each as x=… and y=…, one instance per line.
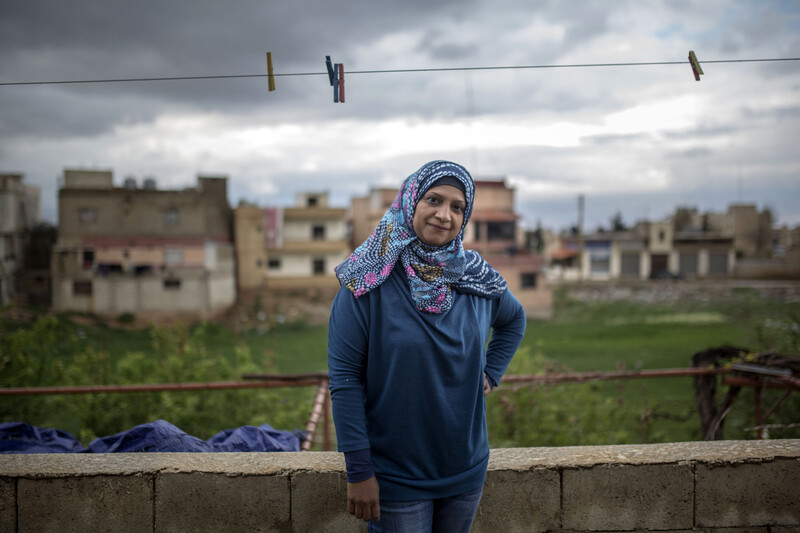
x=439, y=215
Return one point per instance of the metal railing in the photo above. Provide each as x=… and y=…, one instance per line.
x=320, y=412
x=251, y=381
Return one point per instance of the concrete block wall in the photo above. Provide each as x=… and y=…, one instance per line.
x=726, y=486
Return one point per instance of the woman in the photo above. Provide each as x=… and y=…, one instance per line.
x=408, y=362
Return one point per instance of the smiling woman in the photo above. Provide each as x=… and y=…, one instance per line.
x=439, y=216
x=408, y=355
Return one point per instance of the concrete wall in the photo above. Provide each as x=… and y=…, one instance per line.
x=733, y=486
x=200, y=293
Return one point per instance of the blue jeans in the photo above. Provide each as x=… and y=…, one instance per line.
x=444, y=515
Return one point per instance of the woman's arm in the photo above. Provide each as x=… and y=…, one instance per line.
x=508, y=329
x=347, y=354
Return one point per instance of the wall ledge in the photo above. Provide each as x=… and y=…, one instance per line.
x=680, y=486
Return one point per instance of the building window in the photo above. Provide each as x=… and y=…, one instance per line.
x=8, y=248
x=173, y=256
x=478, y=230
x=662, y=235
x=88, y=259
x=171, y=217
x=142, y=270
x=528, y=280
x=87, y=215
x=688, y=264
x=82, y=288
x=312, y=201
x=718, y=264
x=318, y=232
x=600, y=264
x=500, y=231
x=274, y=263
x=318, y=266
x=629, y=265
x=172, y=284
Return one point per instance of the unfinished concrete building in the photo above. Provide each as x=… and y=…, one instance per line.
x=140, y=249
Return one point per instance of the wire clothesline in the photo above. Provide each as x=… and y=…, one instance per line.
x=392, y=71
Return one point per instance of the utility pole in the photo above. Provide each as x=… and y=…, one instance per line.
x=580, y=236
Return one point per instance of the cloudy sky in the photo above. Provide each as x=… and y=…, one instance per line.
x=639, y=140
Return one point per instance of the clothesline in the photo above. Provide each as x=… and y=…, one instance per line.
x=392, y=71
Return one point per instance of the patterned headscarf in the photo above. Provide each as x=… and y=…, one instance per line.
x=432, y=272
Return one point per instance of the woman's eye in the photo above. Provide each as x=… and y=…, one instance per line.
x=458, y=208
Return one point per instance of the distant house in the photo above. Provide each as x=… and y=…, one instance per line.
x=367, y=211
x=650, y=250
x=141, y=249
x=290, y=247
x=494, y=232
x=19, y=214
x=750, y=229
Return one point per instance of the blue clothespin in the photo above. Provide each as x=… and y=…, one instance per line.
x=330, y=69
x=336, y=82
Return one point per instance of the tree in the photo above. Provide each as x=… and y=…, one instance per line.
x=535, y=238
x=617, y=224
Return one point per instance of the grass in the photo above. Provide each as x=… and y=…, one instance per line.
x=582, y=336
x=607, y=336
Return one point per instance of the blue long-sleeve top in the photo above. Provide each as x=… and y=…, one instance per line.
x=408, y=386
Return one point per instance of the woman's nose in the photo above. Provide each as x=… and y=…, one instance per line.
x=443, y=213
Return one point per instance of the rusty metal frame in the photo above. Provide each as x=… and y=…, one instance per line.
x=788, y=383
x=252, y=381
x=321, y=407
x=581, y=377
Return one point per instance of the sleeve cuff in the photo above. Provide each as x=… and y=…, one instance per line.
x=359, y=465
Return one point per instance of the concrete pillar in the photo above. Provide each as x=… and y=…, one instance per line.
x=702, y=263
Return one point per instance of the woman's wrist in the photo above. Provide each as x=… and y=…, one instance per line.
x=359, y=465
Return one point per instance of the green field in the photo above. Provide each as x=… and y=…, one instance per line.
x=45, y=349
x=608, y=336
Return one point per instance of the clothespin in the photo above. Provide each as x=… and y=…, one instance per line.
x=330, y=69
x=336, y=78
x=341, y=82
x=696, y=68
x=336, y=82
x=270, y=77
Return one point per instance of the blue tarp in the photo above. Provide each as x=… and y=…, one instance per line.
x=158, y=436
x=19, y=437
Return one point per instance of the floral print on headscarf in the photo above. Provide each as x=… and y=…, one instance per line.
x=432, y=272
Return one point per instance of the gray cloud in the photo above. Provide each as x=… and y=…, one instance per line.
x=743, y=124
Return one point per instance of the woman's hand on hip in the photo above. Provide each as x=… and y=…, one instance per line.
x=363, y=501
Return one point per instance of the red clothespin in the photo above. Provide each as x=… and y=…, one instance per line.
x=696, y=68
x=341, y=82
x=270, y=76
